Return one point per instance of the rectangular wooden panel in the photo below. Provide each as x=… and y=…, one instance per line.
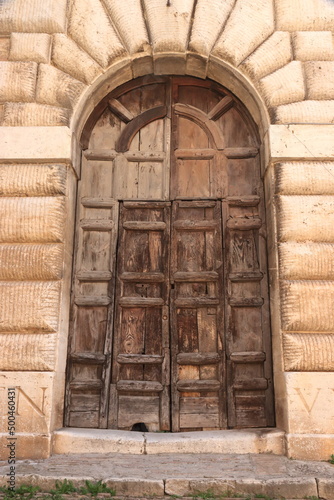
x=136, y=409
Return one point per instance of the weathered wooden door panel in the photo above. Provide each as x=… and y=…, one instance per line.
x=185, y=345
x=248, y=379
x=198, y=384
x=140, y=377
x=89, y=363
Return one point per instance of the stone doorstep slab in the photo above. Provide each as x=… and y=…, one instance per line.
x=241, y=441
x=286, y=487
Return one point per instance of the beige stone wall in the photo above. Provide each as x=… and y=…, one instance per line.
x=58, y=58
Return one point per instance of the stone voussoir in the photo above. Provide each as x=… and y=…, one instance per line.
x=313, y=45
x=30, y=47
x=284, y=85
x=71, y=59
x=319, y=79
x=56, y=88
x=92, y=30
x=168, y=25
x=249, y=22
x=125, y=15
x=17, y=81
x=204, y=34
x=308, y=15
x=39, y=16
x=273, y=54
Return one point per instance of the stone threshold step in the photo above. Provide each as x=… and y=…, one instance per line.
x=242, y=441
x=283, y=487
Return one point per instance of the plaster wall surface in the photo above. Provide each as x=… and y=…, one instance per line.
x=58, y=59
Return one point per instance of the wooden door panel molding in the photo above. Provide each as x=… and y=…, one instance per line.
x=170, y=310
x=140, y=121
x=203, y=120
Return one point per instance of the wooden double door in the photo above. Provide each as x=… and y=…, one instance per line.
x=170, y=313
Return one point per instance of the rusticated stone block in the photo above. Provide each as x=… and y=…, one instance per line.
x=308, y=261
x=30, y=47
x=320, y=79
x=32, y=180
x=306, y=218
x=284, y=85
x=125, y=16
x=250, y=22
x=169, y=25
x=17, y=81
x=307, y=306
x=305, y=178
x=210, y=16
x=313, y=45
x=68, y=57
x=28, y=351
x=304, y=112
x=39, y=16
x=31, y=306
x=308, y=352
x=308, y=15
x=30, y=114
x=57, y=88
x=4, y=48
x=30, y=220
x=273, y=54
x=91, y=29
x=31, y=262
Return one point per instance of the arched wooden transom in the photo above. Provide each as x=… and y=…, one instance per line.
x=170, y=322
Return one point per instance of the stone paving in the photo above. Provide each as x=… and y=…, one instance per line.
x=183, y=474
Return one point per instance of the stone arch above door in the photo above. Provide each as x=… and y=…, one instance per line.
x=170, y=323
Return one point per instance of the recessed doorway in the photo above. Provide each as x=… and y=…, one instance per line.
x=170, y=312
